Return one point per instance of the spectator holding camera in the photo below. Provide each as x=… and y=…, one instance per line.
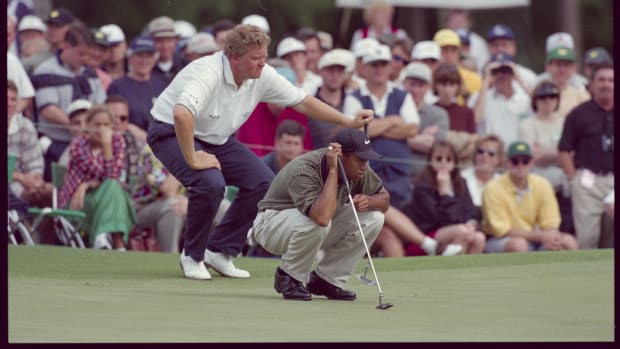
x=587, y=155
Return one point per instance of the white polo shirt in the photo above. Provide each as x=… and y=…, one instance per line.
x=207, y=88
x=408, y=110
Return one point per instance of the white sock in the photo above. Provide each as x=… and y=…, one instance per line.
x=429, y=245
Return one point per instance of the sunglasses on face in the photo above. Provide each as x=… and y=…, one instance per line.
x=489, y=152
x=547, y=97
x=501, y=70
x=123, y=118
x=398, y=58
x=520, y=160
x=441, y=158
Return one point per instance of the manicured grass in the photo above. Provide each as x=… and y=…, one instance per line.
x=57, y=294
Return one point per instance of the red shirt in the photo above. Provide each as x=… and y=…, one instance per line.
x=461, y=118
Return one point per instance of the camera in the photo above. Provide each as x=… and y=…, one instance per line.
x=607, y=143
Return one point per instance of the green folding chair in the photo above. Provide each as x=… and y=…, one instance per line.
x=66, y=223
x=15, y=224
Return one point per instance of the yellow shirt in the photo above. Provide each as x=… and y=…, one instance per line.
x=471, y=81
x=503, y=210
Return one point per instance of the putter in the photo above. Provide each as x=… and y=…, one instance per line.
x=381, y=305
x=364, y=278
x=367, y=139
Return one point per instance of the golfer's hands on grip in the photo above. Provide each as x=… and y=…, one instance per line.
x=203, y=160
x=361, y=202
x=363, y=117
x=334, y=150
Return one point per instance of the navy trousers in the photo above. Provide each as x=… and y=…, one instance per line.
x=240, y=167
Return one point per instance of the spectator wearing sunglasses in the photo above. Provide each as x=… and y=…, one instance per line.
x=400, y=58
x=520, y=209
x=442, y=207
x=542, y=131
x=502, y=102
x=486, y=163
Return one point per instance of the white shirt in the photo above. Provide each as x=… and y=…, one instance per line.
x=311, y=83
x=16, y=73
x=408, y=110
x=474, y=186
x=502, y=116
x=207, y=88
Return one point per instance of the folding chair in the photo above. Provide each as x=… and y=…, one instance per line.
x=66, y=223
x=15, y=223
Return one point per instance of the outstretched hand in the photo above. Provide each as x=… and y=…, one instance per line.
x=363, y=117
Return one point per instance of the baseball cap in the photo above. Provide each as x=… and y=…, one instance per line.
x=561, y=53
x=336, y=57
x=362, y=45
x=201, y=43
x=257, y=20
x=557, y=40
x=500, y=31
x=325, y=40
x=594, y=55
x=519, y=148
x=546, y=89
x=60, y=16
x=417, y=70
x=353, y=142
x=100, y=37
x=447, y=37
x=288, y=45
x=379, y=53
x=141, y=43
x=113, y=33
x=501, y=57
x=31, y=22
x=426, y=50
x=78, y=105
x=162, y=27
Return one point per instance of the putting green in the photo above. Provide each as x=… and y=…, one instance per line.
x=57, y=294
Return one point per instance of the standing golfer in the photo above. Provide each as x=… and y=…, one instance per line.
x=194, y=118
x=305, y=209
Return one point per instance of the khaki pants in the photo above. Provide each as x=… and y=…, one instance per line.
x=588, y=208
x=298, y=238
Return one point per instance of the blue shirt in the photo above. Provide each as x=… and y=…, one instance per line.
x=141, y=95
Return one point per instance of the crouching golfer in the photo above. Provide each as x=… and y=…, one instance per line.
x=194, y=118
x=305, y=209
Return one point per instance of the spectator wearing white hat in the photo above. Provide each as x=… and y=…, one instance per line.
x=334, y=67
x=560, y=67
x=31, y=27
x=77, y=123
x=311, y=39
x=185, y=30
x=429, y=53
x=557, y=41
x=434, y=120
x=33, y=47
x=257, y=20
x=359, y=49
x=294, y=52
x=396, y=119
x=169, y=63
x=115, y=62
x=326, y=40
x=200, y=45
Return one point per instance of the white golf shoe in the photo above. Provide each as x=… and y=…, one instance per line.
x=193, y=269
x=452, y=250
x=222, y=263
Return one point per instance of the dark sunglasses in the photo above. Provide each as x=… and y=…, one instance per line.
x=398, y=58
x=520, y=160
x=441, y=158
x=489, y=152
x=547, y=97
x=503, y=70
x=123, y=118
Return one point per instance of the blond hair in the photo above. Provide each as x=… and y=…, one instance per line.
x=377, y=6
x=97, y=109
x=244, y=37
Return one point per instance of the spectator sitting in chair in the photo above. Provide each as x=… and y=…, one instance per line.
x=520, y=209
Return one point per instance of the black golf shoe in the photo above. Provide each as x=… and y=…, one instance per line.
x=320, y=287
x=290, y=288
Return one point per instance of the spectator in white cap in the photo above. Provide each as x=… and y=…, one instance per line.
x=258, y=21
x=185, y=30
x=77, y=123
x=31, y=27
x=334, y=67
x=294, y=52
x=200, y=45
x=139, y=86
x=169, y=63
x=501, y=38
x=115, y=63
x=312, y=41
x=359, y=49
x=33, y=46
x=396, y=119
x=326, y=40
x=429, y=53
x=560, y=68
x=434, y=120
x=563, y=40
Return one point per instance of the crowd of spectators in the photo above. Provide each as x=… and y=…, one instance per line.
x=445, y=110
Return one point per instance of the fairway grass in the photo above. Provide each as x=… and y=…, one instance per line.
x=58, y=294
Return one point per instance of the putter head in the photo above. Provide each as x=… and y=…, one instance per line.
x=384, y=306
x=365, y=280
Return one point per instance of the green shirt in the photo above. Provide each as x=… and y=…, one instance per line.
x=300, y=183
